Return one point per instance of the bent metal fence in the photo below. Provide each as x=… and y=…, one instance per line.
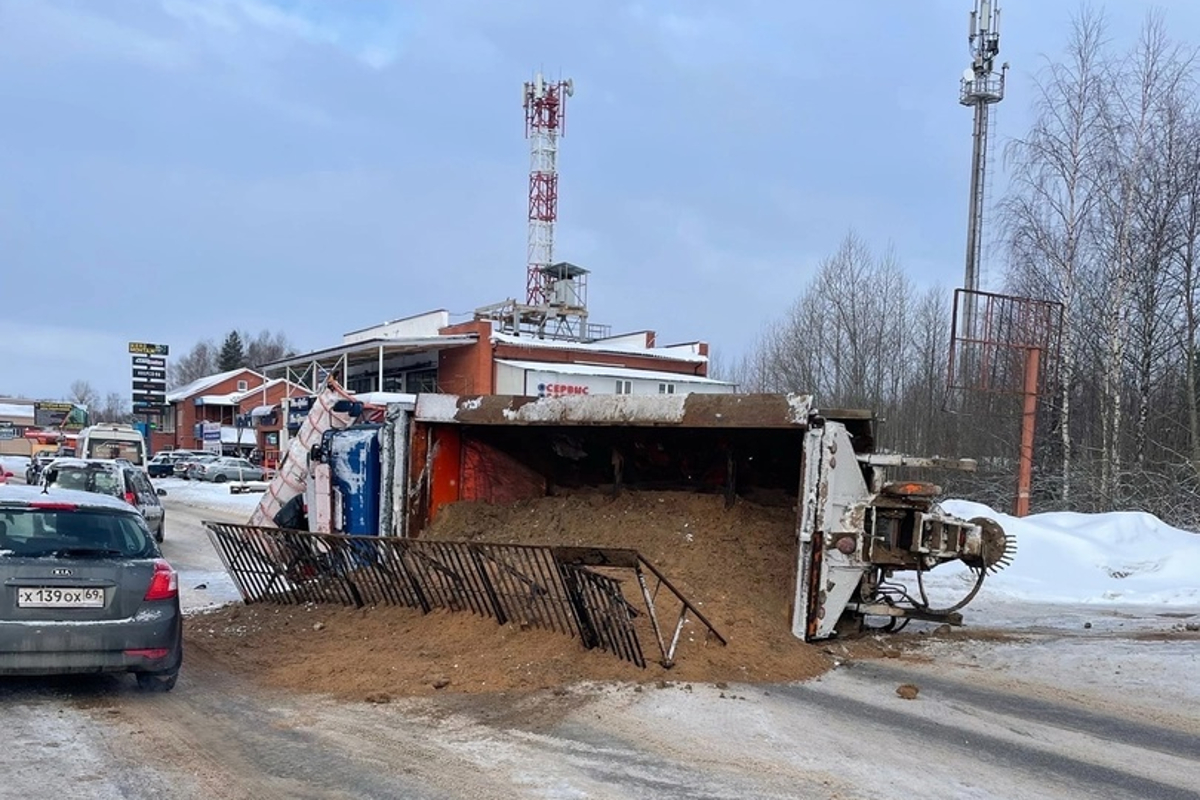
x=557, y=588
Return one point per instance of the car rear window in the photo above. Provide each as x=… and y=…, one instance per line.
x=36, y=532
x=87, y=479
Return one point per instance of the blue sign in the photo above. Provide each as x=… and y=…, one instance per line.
x=298, y=408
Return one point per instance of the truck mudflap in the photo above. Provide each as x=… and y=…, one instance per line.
x=856, y=531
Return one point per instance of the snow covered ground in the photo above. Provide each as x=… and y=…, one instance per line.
x=209, y=495
x=1120, y=571
x=14, y=464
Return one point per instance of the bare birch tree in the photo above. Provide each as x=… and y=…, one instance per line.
x=1050, y=212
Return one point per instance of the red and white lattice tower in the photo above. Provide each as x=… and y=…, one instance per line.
x=545, y=107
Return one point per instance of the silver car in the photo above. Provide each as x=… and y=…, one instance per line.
x=227, y=468
x=115, y=478
x=84, y=588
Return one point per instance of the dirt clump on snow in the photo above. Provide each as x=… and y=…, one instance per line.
x=736, y=565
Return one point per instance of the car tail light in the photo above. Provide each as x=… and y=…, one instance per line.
x=47, y=505
x=149, y=652
x=165, y=583
x=131, y=498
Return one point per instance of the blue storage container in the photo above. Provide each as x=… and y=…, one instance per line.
x=353, y=455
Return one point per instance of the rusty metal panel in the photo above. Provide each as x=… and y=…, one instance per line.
x=682, y=410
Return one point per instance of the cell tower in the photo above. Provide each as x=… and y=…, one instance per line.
x=545, y=113
x=981, y=87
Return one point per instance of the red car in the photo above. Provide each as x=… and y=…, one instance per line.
x=5, y=474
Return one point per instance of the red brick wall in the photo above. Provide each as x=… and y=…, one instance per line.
x=273, y=396
x=187, y=413
x=471, y=369
x=467, y=369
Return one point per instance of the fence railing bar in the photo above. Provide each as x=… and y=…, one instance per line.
x=545, y=587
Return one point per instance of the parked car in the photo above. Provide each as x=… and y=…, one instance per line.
x=85, y=589
x=122, y=481
x=163, y=463
x=183, y=467
x=228, y=468
x=5, y=474
x=161, y=466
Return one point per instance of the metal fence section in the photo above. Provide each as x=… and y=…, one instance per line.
x=565, y=589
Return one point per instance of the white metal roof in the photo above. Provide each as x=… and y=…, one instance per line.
x=201, y=384
x=230, y=435
x=383, y=398
x=610, y=372
x=675, y=352
x=16, y=410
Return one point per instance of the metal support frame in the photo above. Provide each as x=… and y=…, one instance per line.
x=1012, y=349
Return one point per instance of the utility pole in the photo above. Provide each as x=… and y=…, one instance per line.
x=981, y=87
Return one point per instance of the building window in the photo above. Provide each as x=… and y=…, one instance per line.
x=624, y=387
x=666, y=388
x=168, y=419
x=362, y=383
x=242, y=386
x=419, y=381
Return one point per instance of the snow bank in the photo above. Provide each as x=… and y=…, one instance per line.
x=14, y=464
x=208, y=495
x=1123, y=557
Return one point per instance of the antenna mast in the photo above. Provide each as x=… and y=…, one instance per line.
x=545, y=109
x=981, y=86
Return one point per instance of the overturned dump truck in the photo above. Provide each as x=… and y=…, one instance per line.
x=856, y=530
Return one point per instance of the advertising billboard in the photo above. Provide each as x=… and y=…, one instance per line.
x=65, y=416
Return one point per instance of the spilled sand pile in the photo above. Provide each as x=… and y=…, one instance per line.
x=737, y=566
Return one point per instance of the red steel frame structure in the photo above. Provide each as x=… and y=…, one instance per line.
x=1008, y=345
x=545, y=115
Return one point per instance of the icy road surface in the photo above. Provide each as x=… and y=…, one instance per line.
x=1061, y=711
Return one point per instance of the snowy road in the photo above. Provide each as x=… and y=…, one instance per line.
x=1106, y=712
x=845, y=736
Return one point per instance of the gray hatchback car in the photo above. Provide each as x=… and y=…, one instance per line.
x=84, y=588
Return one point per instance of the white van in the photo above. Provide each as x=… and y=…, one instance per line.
x=112, y=441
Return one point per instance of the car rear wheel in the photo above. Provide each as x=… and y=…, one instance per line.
x=157, y=681
x=219, y=478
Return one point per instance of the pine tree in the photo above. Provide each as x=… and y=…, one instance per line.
x=233, y=354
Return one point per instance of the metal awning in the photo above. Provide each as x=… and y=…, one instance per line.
x=262, y=411
x=368, y=352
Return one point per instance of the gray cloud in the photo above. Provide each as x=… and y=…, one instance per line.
x=173, y=169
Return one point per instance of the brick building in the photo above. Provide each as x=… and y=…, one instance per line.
x=240, y=401
x=426, y=353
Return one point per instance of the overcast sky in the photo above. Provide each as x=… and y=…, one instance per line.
x=170, y=169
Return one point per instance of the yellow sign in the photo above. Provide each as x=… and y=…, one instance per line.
x=147, y=349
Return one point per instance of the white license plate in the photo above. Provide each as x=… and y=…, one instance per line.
x=54, y=597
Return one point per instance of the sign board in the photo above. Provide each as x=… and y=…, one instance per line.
x=66, y=416
x=147, y=349
x=6, y=423
x=149, y=398
x=298, y=408
x=211, y=433
x=7, y=433
x=148, y=370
